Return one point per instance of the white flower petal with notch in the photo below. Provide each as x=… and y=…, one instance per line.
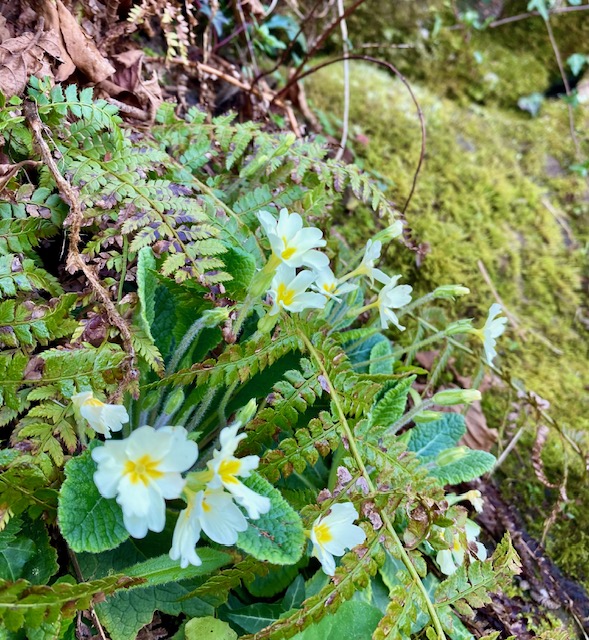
x=143, y=471
x=102, y=417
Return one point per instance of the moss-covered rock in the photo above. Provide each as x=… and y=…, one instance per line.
x=496, y=189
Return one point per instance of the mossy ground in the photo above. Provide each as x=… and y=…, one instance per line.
x=496, y=188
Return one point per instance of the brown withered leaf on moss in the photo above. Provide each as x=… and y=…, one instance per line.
x=27, y=55
x=77, y=48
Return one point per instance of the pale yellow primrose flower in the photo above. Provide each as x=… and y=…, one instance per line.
x=186, y=535
x=332, y=534
x=328, y=285
x=227, y=468
x=450, y=559
x=142, y=472
x=367, y=268
x=212, y=511
x=494, y=327
x=291, y=243
x=392, y=296
x=289, y=291
x=102, y=417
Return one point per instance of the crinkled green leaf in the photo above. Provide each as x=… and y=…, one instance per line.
x=255, y=616
x=241, y=266
x=431, y=438
x=354, y=619
x=208, y=628
x=471, y=465
x=88, y=522
x=277, y=536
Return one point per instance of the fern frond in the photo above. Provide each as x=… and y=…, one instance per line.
x=23, y=275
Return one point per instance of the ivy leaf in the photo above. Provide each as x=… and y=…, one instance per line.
x=576, y=62
x=540, y=6
x=277, y=536
x=88, y=522
x=429, y=439
x=208, y=627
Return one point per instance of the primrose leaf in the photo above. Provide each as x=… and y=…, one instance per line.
x=429, y=439
x=277, y=536
x=88, y=522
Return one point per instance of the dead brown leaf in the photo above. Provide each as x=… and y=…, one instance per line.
x=78, y=50
x=25, y=56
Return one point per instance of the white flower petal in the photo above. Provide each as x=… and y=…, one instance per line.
x=186, y=535
x=446, y=562
x=219, y=517
x=252, y=502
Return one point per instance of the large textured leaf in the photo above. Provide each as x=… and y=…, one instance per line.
x=276, y=536
x=162, y=569
x=429, y=439
x=465, y=465
x=354, y=619
x=208, y=627
x=256, y=616
x=88, y=521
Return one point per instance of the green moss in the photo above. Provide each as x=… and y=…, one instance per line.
x=495, y=188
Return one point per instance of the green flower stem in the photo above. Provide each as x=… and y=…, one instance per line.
x=406, y=419
x=428, y=297
x=399, y=352
x=387, y=522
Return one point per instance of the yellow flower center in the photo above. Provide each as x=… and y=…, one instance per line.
x=228, y=469
x=145, y=469
x=329, y=287
x=93, y=402
x=206, y=507
x=322, y=533
x=288, y=251
x=284, y=294
x=456, y=545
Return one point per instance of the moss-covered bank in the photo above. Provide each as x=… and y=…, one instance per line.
x=495, y=188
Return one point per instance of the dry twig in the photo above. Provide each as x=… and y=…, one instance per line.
x=74, y=261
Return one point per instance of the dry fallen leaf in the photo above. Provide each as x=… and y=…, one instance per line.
x=25, y=56
x=78, y=50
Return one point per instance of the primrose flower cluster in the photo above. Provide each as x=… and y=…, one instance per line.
x=145, y=469
x=295, y=247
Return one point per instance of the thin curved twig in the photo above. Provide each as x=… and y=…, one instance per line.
x=75, y=262
x=298, y=74
x=346, y=119
x=390, y=67
x=531, y=14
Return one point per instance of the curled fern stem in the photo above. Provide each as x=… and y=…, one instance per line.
x=435, y=620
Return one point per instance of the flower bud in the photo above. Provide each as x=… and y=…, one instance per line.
x=212, y=317
x=458, y=327
x=149, y=401
x=427, y=416
x=450, y=397
x=450, y=291
x=174, y=402
x=449, y=456
x=391, y=232
x=246, y=413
